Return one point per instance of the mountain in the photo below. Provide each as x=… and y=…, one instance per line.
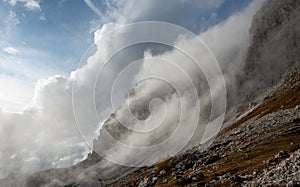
x=274, y=46
x=259, y=143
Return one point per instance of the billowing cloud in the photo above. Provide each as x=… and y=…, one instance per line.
x=228, y=41
x=15, y=93
x=45, y=134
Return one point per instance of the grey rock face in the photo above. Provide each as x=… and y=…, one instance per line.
x=274, y=46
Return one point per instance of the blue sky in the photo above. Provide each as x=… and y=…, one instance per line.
x=55, y=36
x=41, y=38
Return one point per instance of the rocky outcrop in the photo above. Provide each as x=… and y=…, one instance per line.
x=274, y=46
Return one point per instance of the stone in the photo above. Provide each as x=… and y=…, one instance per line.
x=270, y=161
x=282, y=154
x=292, y=183
x=178, y=166
x=226, y=175
x=154, y=179
x=162, y=172
x=143, y=182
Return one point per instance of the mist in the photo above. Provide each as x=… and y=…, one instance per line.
x=228, y=41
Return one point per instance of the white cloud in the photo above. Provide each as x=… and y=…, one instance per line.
x=15, y=93
x=93, y=7
x=12, y=2
x=11, y=50
x=61, y=3
x=32, y=5
x=43, y=133
x=42, y=18
x=228, y=41
x=28, y=4
x=13, y=18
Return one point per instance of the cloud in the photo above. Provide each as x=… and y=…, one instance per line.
x=228, y=41
x=32, y=5
x=48, y=138
x=13, y=18
x=93, y=7
x=15, y=94
x=45, y=135
x=28, y=4
x=42, y=18
x=11, y=50
x=183, y=13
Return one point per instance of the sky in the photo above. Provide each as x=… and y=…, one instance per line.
x=39, y=39
x=42, y=44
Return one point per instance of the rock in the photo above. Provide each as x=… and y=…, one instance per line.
x=292, y=183
x=268, y=35
x=226, y=175
x=178, y=166
x=162, y=172
x=286, y=172
x=153, y=171
x=282, y=154
x=270, y=161
x=194, y=166
x=154, y=179
x=143, y=182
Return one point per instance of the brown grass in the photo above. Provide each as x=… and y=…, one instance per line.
x=164, y=164
x=289, y=98
x=253, y=160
